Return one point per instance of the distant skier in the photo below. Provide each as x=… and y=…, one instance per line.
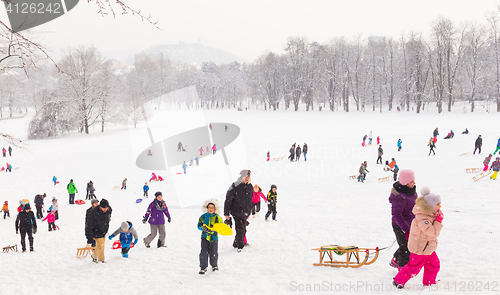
x=431, y=145
x=298, y=151
x=400, y=144
x=478, y=144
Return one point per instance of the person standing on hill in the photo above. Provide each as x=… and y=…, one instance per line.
x=436, y=132
x=380, y=153
x=39, y=205
x=298, y=151
x=304, y=150
x=26, y=223
x=98, y=225
x=90, y=240
x=71, y=191
x=402, y=199
x=431, y=145
x=154, y=215
x=239, y=204
x=478, y=144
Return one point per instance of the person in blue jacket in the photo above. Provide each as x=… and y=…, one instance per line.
x=184, y=166
x=498, y=147
x=54, y=179
x=126, y=231
x=145, y=189
x=209, y=239
x=399, y=144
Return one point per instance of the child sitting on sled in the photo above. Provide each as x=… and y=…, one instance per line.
x=126, y=231
x=422, y=242
x=209, y=238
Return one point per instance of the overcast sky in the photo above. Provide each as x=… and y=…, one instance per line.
x=249, y=28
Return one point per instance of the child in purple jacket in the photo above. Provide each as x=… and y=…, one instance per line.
x=154, y=214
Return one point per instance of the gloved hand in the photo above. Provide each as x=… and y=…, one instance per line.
x=439, y=216
x=135, y=241
x=229, y=222
x=407, y=234
x=204, y=228
x=111, y=237
x=169, y=219
x=17, y=232
x=144, y=220
x=247, y=223
x=35, y=231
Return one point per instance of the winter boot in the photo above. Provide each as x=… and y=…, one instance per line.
x=399, y=286
x=394, y=263
x=215, y=268
x=203, y=271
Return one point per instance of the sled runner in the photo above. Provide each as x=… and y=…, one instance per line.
x=222, y=229
x=352, y=177
x=481, y=175
x=118, y=245
x=79, y=202
x=10, y=248
x=465, y=154
x=353, y=256
x=472, y=170
x=82, y=252
x=388, y=178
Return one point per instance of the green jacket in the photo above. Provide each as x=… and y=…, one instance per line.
x=71, y=188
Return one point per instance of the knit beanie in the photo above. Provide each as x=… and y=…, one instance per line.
x=104, y=203
x=124, y=226
x=406, y=176
x=430, y=198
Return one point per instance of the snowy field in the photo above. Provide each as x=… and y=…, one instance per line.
x=317, y=204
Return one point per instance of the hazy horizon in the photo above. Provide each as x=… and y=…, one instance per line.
x=248, y=29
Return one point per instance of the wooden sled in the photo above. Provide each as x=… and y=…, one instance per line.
x=354, y=256
x=278, y=158
x=472, y=170
x=82, y=252
x=352, y=177
x=10, y=248
x=481, y=175
x=465, y=154
x=388, y=178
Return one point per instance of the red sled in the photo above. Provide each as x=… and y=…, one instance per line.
x=57, y=182
x=118, y=245
x=79, y=202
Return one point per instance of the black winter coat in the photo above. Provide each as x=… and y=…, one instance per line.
x=298, y=151
x=239, y=200
x=25, y=220
x=304, y=148
x=38, y=200
x=479, y=142
x=98, y=223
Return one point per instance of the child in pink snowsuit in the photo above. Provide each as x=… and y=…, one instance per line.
x=51, y=219
x=422, y=242
x=486, y=162
x=153, y=177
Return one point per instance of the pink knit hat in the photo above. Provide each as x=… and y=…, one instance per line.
x=406, y=176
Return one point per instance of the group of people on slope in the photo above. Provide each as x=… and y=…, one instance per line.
x=295, y=152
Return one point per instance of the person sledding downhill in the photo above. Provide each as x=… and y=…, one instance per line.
x=209, y=238
x=495, y=166
x=127, y=232
x=272, y=199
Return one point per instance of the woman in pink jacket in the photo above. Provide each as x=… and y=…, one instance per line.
x=422, y=242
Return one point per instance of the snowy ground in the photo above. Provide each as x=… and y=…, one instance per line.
x=317, y=204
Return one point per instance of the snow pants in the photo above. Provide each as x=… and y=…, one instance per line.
x=431, y=266
x=5, y=214
x=71, y=198
x=271, y=208
x=156, y=228
x=125, y=249
x=402, y=254
x=255, y=207
x=241, y=230
x=52, y=226
x=485, y=167
x=477, y=148
x=498, y=148
x=39, y=212
x=25, y=232
x=209, y=250
x=494, y=176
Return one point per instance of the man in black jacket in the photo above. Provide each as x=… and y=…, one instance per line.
x=90, y=239
x=239, y=204
x=26, y=223
x=39, y=205
x=479, y=143
x=97, y=228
